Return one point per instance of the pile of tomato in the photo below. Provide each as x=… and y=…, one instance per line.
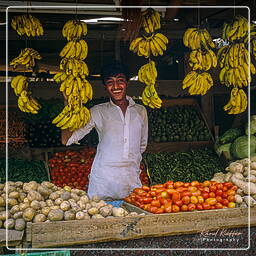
x=179, y=196
x=72, y=168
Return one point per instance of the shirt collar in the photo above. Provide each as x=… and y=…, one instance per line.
x=131, y=101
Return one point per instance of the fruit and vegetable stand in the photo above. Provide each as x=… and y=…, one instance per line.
x=193, y=178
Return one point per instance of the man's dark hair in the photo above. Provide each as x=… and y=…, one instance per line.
x=113, y=69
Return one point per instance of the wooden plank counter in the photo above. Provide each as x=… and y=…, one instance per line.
x=59, y=234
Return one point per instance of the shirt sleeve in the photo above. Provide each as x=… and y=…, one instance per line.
x=144, y=132
x=80, y=133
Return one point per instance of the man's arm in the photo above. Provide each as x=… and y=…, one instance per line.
x=65, y=135
x=144, y=132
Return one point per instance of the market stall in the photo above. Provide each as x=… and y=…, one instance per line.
x=196, y=173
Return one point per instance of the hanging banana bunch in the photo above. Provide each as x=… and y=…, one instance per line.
x=234, y=63
x=26, y=25
x=150, y=44
x=72, y=78
x=201, y=59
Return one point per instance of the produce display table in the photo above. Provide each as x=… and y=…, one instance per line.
x=71, y=233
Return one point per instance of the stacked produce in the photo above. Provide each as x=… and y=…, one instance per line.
x=72, y=168
x=147, y=45
x=30, y=26
x=252, y=39
x=243, y=174
x=201, y=59
x=172, y=197
x=76, y=89
x=197, y=164
x=23, y=170
x=234, y=63
x=177, y=123
x=45, y=202
x=234, y=143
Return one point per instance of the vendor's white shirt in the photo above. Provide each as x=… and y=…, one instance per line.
x=122, y=140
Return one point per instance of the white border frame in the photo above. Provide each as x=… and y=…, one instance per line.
x=123, y=7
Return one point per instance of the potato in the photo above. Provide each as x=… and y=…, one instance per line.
x=74, y=196
x=9, y=223
x=110, y=217
x=81, y=204
x=65, y=196
x=19, y=184
x=84, y=199
x=47, y=184
x=97, y=216
x=14, y=195
x=105, y=211
x=95, y=198
x=2, y=186
x=93, y=211
x=54, y=195
x=17, y=215
x=100, y=204
x=76, y=208
x=32, y=185
x=46, y=210
x=3, y=215
x=56, y=215
x=82, y=193
x=11, y=202
x=10, y=183
x=26, y=200
x=80, y=215
x=39, y=218
x=34, y=195
x=86, y=216
x=58, y=201
x=42, y=204
x=22, y=196
x=9, y=189
x=24, y=206
x=35, y=205
x=133, y=214
x=75, y=190
x=55, y=207
x=238, y=199
x=20, y=224
x=118, y=212
x=29, y=214
x=54, y=188
x=71, y=200
x=44, y=191
x=2, y=202
x=65, y=206
x=69, y=215
x=14, y=209
x=20, y=190
x=67, y=188
x=49, y=202
x=88, y=206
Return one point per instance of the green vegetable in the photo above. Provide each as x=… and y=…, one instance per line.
x=230, y=135
x=252, y=126
x=224, y=148
x=198, y=164
x=239, y=148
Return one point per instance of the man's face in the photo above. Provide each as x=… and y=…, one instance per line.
x=116, y=87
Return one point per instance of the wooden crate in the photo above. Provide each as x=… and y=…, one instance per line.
x=178, y=146
x=70, y=233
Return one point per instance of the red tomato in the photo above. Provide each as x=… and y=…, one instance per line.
x=192, y=189
x=206, y=206
x=181, y=189
x=231, y=192
x=179, y=203
x=152, y=209
x=219, y=192
x=186, y=193
x=205, y=195
x=191, y=207
x=207, y=189
x=152, y=193
x=178, y=184
x=184, y=208
x=138, y=191
x=145, y=188
x=155, y=203
x=185, y=199
x=211, y=194
x=163, y=201
x=234, y=188
x=199, y=207
x=211, y=201
x=219, y=186
x=168, y=207
x=206, y=183
x=213, y=188
x=228, y=184
x=225, y=202
x=175, y=196
x=219, y=199
x=170, y=182
x=225, y=189
x=195, y=183
x=224, y=195
x=213, y=207
x=231, y=198
x=159, y=211
x=164, y=194
x=160, y=190
x=200, y=188
x=187, y=184
x=196, y=193
x=218, y=206
x=175, y=208
x=147, y=200
x=170, y=191
x=158, y=186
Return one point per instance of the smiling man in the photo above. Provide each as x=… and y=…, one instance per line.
x=122, y=127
